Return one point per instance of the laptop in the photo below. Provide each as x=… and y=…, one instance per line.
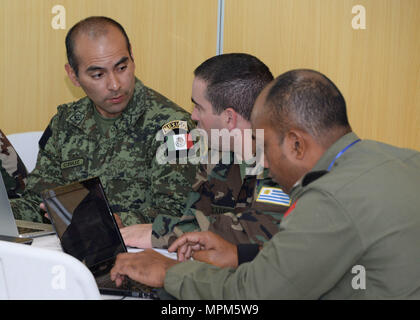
x=18, y=228
x=86, y=227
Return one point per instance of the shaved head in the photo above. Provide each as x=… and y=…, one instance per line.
x=93, y=27
x=302, y=114
x=306, y=100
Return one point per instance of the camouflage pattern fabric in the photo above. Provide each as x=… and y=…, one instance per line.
x=13, y=171
x=228, y=203
x=72, y=148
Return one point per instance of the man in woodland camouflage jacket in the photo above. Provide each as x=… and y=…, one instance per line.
x=241, y=208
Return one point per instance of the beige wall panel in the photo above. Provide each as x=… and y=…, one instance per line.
x=377, y=69
x=169, y=39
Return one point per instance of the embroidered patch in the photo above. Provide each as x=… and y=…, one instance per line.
x=77, y=117
x=179, y=142
x=175, y=124
x=71, y=163
x=274, y=196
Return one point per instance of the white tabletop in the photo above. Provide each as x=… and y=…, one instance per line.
x=52, y=242
x=47, y=242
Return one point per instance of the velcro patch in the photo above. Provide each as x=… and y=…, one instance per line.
x=71, y=163
x=274, y=196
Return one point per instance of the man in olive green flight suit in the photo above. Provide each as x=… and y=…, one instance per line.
x=352, y=231
x=111, y=133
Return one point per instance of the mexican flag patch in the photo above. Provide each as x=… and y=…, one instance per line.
x=176, y=142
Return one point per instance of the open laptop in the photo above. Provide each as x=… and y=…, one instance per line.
x=87, y=230
x=18, y=228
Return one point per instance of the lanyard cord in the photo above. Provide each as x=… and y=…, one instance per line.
x=341, y=153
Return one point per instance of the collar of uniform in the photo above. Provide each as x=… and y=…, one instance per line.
x=323, y=163
x=242, y=169
x=83, y=116
x=264, y=175
x=332, y=151
x=243, y=166
x=134, y=110
x=261, y=176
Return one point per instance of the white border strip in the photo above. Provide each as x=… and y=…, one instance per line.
x=220, y=26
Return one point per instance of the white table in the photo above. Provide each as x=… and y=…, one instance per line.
x=52, y=242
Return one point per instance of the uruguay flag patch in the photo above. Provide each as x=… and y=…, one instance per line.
x=274, y=196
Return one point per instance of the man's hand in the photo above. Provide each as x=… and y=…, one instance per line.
x=43, y=208
x=138, y=235
x=147, y=267
x=206, y=247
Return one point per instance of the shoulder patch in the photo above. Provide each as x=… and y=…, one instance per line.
x=175, y=124
x=273, y=196
x=178, y=142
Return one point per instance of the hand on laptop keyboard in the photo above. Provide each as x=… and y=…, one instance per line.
x=148, y=267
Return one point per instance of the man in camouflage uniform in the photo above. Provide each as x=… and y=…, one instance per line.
x=224, y=199
x=228, y=203
x=13, y=170
x=110, y=133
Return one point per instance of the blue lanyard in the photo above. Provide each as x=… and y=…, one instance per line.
x=341, y=153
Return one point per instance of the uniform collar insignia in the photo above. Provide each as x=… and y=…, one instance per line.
x=77, y=117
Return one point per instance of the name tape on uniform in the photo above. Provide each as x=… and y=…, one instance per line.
x=274, y=196
x=71, y=163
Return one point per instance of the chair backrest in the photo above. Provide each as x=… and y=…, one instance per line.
x=34, y=273
x=26, y=146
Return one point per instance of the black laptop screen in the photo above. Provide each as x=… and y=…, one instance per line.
x=84, y=221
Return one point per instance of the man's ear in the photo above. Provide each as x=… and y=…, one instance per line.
x=296, y=144
x=230, y=117
x=131, y=54
x=132, y=58
x=72, y=75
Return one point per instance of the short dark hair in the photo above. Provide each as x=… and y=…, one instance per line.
x=234, y=80
x=93, y=26
x=307, y=100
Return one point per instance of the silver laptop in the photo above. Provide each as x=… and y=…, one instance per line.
x=18, y=228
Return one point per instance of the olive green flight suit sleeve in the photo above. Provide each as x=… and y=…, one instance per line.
x=317, y=244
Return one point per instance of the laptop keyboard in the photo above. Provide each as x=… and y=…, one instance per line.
x=137, y=289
